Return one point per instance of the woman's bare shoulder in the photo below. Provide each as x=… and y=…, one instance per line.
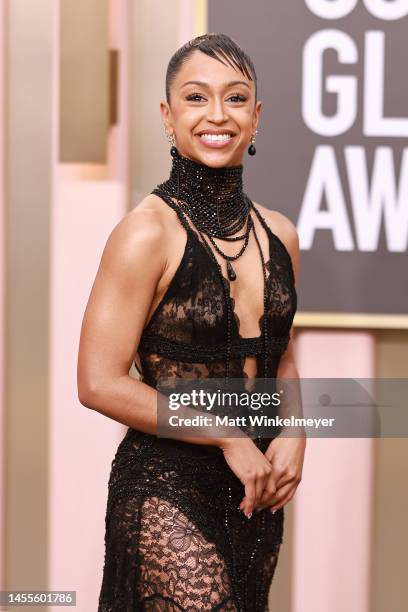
x=149, y=221
x=139, y=238
x=285, y=230
x=150, y=210
x=277, y=221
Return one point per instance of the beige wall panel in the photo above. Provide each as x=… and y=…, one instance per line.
x=389, y=587
x=154, y=38
x=28, y=100
x=84, y=81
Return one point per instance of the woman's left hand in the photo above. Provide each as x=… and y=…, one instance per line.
x=286, y=457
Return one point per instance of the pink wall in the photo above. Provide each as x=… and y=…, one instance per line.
x=332, y=505
x=186, y=21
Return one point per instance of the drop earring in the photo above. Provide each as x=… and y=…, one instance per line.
x=252, y=148
x=172, y=140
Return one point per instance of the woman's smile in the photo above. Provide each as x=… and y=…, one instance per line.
x=215, y=139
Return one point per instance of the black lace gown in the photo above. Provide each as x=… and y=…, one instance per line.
x=175, y=538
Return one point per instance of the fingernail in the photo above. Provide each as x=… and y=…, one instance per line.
x=273, y=511
x=249, y=515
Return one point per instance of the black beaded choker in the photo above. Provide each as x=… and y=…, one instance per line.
x=214, y=200
x=214, y=196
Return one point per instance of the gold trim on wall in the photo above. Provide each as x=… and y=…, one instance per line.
x=113, y=86
x=350, y=320
x=200, y=17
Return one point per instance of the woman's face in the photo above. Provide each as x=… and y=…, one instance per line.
x=212, y=111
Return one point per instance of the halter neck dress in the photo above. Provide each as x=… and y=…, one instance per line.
x=175, y=539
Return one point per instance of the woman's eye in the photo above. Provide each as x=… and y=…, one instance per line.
x=237, y=98
x=195, y=97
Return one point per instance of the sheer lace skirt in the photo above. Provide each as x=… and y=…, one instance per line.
x=178, y=541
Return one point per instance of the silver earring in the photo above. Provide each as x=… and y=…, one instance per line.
x=171, y=138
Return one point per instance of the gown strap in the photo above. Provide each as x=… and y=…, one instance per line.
x=261, y=219
x=181, y=215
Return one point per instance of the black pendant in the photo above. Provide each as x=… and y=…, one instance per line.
x=230, y=271
x=252, y=149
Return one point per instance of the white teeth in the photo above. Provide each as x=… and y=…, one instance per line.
x=216, y=137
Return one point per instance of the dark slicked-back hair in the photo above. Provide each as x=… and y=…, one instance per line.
x=218, y=46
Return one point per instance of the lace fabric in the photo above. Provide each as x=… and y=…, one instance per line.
x=175, y=538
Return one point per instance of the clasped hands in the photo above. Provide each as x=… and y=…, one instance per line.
x=286, y=456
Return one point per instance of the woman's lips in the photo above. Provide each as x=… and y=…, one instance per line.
x=213, y=141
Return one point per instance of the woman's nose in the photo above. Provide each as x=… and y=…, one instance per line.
x=216, y=111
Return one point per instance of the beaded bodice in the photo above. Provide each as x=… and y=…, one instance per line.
x=186, y=335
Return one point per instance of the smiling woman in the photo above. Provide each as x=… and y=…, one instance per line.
x=214, y=113
x=188, y=521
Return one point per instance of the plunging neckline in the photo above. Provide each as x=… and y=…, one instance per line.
x=193, y=237
x=235, y=318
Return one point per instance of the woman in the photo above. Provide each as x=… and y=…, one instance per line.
x=194, y=523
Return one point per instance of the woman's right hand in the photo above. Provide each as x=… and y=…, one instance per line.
x=252, y=468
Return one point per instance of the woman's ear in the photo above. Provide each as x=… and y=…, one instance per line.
x=257, y=114
x=166, y=116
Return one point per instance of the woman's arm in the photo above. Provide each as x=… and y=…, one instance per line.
x=131, y=266
x=131, y=269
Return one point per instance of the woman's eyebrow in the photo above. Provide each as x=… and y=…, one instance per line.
x=206, y=85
